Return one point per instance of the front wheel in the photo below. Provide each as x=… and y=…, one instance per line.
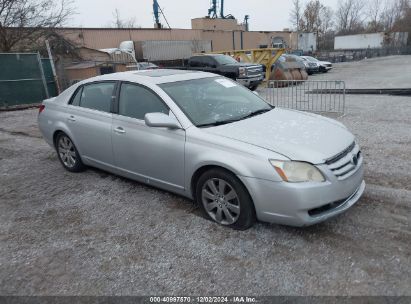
x=225, y=200
x=254, y=87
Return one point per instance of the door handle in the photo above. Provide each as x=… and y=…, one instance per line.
x=119, y=130
x=71, y=118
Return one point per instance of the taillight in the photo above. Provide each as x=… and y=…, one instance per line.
x=41, y=108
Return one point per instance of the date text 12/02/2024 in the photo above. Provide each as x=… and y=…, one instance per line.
x=223, y=299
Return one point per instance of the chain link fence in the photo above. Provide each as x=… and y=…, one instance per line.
x=356, y=55
x=313, y=96
x=25, y=78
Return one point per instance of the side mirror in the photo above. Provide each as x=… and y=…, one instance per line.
x=161, y=120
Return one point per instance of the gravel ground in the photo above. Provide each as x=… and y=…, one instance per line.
x=98, y=234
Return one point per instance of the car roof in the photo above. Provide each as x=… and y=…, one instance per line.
x=211, y=55
x=157, y=76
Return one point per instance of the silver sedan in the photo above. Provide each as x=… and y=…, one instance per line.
x=207, y=138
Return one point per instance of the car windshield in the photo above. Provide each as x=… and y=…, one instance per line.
x=296, y=58
x=224, y=59
x=215, y=101
x=312, y=59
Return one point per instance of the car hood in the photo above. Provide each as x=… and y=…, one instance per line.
x=296, y=135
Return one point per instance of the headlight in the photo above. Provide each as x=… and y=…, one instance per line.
x=242, y=71
x=297, y=172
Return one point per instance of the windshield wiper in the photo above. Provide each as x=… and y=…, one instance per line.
x=218, y=123
x=255, y=113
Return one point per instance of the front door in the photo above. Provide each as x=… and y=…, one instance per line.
x=151, y=155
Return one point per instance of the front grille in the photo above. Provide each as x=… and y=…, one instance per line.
x=345, y=163
x=255, y=71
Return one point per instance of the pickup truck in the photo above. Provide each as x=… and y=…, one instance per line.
x=247, y=74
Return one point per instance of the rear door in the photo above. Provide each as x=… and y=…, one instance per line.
x=89, y=119
x=151, y=155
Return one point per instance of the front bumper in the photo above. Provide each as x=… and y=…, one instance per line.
x=312, y=70
x=326, y=67
x=251, y=81
x=304, y=204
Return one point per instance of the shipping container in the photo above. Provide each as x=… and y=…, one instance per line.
x=371, y=41
x=164, y=50
x=307, y=42
x=362, y=41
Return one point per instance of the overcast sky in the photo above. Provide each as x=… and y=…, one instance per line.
x=264, y=14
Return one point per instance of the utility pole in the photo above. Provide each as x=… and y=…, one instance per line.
x=53, y=68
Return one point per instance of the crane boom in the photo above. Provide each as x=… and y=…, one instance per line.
x=212, y=12
x=222, y=9
x=157, y=10
x=156, y=13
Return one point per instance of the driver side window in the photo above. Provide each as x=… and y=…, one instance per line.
x=136, y=101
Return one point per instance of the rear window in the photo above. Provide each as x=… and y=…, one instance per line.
x=96, y=96
x=76, y=98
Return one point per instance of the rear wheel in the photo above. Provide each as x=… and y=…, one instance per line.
x=225, y=200
x=68, y=154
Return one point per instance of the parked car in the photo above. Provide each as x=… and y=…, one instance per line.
x=142, y=66
x=299, y=62
x=311, y=66
x=323, y=66
x=210, y=139
x=248, y=74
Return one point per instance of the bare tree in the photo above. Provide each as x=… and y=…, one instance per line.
x=350, y=16
x=23, y=22
x=311, y=20
x=327, y=19
x=403, y=23
x=118, y=22
x=394, y=11
x=326, y=32
x=296, y=14
x=318, y=18
x=374, y=12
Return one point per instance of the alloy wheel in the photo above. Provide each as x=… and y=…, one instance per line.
x=220, y=201
x=67, y=151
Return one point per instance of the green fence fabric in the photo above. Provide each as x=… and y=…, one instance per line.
x=22, y=79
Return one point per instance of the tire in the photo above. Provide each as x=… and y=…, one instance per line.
x=68, y=154
x=253, y=88
x=230, y=205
